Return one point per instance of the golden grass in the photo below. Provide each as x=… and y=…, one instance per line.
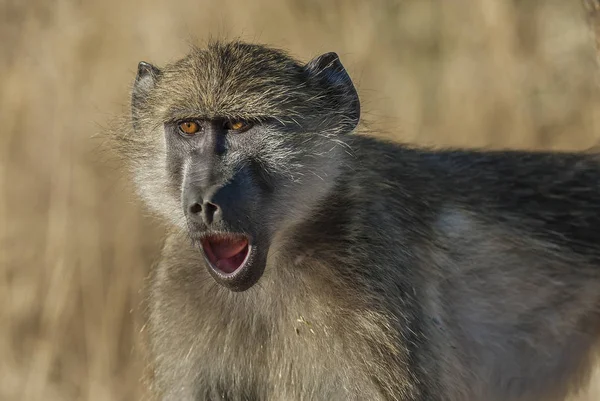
x=74, y=244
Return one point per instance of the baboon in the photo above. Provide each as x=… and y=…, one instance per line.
x=307, y=262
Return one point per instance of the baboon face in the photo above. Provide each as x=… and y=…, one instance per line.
x=235, y=143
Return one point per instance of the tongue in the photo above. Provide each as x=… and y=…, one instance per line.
x=225, y=248
x=227, y=254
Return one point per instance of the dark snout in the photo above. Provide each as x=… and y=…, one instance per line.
x=220, y=217
x=199, y=206
x=223, y=205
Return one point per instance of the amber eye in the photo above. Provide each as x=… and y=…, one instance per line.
x=189, y=127
x=237, y=125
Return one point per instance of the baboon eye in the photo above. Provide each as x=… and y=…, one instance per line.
x=189, y=127
x=237, y=125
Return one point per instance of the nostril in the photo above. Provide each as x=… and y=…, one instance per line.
x=210, y=209
x=195, y=208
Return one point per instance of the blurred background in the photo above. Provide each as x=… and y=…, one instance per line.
x=75, y=244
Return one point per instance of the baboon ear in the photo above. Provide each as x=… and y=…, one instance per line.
x=145, y=80
x=329, y=71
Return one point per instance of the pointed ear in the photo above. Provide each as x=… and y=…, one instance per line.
x=329, y=72
x=145, y=81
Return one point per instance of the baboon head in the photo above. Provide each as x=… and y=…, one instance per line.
x=235, y=143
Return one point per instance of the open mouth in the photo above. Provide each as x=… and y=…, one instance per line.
x=226, y=253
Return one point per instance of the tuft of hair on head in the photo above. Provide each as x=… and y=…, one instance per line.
x=250, y=81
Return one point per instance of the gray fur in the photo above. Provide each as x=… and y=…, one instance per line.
x=390, y=273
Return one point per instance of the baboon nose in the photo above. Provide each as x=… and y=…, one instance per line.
x=210, y=212
x=207, y=212
x=217, y=204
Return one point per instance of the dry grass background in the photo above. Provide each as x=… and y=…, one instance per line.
x=74, y=243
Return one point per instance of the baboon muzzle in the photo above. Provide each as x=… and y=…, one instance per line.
x=215, y=206
x=219, y=221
